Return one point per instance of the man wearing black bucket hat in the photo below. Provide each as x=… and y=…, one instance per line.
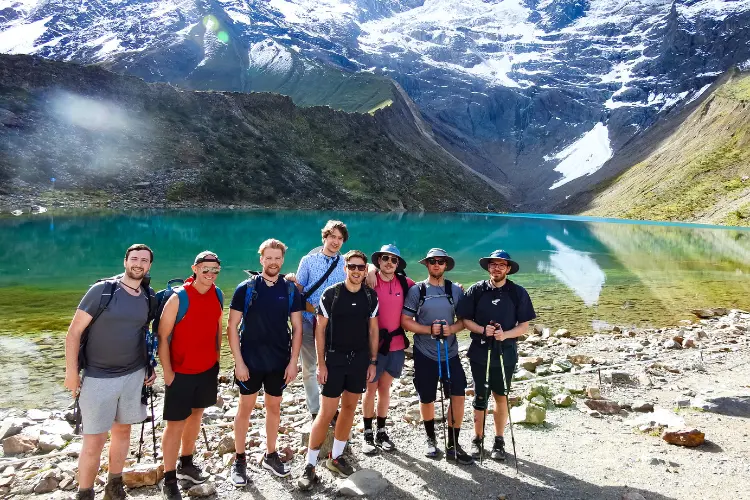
x=429, y=313
x=391, y=285
x=496, y=311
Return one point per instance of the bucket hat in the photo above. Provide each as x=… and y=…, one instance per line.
x=499, y=254
x=391, y=249
x=439, y=252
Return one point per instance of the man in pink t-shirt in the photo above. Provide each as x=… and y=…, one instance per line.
x=387, y=278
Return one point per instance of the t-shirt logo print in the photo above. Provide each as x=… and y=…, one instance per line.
x=495, y=302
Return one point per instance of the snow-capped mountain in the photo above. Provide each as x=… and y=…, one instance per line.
x=535, y=94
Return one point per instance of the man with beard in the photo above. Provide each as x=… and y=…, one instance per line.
x=496, y=312
x=189, y=352
x=346, y=337
x=391, y=289
x=316, y=272
x=115, y=369
x=429, y=313
x=264, y=353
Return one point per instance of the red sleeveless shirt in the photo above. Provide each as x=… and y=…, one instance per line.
x=195, y=338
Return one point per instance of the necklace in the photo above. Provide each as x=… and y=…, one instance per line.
x=269, y=281
x=132, y=288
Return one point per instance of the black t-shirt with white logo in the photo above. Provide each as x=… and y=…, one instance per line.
x=349, y=324
x=483, y=304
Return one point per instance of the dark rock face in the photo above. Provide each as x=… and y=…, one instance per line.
x=506, y=86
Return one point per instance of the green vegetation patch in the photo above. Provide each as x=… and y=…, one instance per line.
x=30, y=309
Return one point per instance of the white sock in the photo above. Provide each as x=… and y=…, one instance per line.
x=312, y=457
x=338, y=448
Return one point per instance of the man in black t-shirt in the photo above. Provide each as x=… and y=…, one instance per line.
x=346, y=338
x=264, y=352
x=496, y=312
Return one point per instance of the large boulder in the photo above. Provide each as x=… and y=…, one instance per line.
x=20, y=443
x=528, y=413
x=684, y=437
x=603, y=406
x=142, y=475
x=363, y=483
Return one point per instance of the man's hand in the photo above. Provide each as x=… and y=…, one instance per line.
x=150, y=379
x=489, y=330
x=241, y=372
x=72, y=382
x=291, y=277
x=436, y=327
x=291, y=372
x=169, y=378
x=499, y=333
x=371, y=372
x=322, y=373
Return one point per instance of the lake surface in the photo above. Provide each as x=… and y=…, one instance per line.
x=581, y=274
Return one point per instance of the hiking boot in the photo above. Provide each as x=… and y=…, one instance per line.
x=171, y=491
x=239, y=473
x=368, y=446
x=476, y=448
x=339, y=466
x=273, y=463
x=498, y=449
x=87, y=494
x=191, y=472
x=115, y=490
x=455, y=452
x=431, y=449
x=308, y=479
x=382, y=440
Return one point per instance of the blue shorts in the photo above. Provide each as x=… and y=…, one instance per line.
x=393, y=364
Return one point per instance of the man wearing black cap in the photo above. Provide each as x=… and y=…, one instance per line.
x=496, y=312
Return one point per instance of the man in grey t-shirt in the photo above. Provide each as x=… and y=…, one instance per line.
x=115, y=370
x=429, y=311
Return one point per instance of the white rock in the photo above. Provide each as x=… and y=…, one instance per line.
x=50, y=442
x=202, y=490
x=363, y=483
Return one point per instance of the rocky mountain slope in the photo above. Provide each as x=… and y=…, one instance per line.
x=698, y=172
x=97, y=131
x=535, y=94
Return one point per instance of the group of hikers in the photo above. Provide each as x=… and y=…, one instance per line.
x=349, y=319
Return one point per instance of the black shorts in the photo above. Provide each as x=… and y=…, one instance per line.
x=190, y=391
x=426, y=377
x=479, y=371
x=272, y=382
x=346, y=372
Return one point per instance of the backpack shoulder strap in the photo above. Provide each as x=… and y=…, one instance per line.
x=368, y=291
x=220, y=296
x=422, y=295
x=183, y=303
x=290, y=289
x=513, y=293
x=108, y=293
x=250, y=291
x=404, y=283
x=449, y=291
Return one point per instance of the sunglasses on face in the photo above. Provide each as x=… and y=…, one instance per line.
x=212, y=270
x=439, y=262
x=498, y=265
x=357, y=267
x=387, y=258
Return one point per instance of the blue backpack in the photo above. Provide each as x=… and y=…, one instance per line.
x=175, y=286
x=251, y=293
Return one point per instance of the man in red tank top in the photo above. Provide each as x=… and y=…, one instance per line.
x=189, y=356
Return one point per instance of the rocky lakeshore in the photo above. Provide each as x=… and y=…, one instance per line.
x=623, y=414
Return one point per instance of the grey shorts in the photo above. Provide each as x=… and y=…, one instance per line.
x=104, y=401
x=393, y=364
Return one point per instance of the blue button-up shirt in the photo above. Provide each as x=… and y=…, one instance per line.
x=311, y=269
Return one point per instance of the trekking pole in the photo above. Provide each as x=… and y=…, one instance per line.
x=442, y=392
x=450, y=390
x=486, y=395
x=205, y=438
x=153, y=420
x=140, y=443
x=507, y=402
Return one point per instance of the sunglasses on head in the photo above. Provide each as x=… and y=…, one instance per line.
x=213, y=270
x=439, y=262
x=357, y=267
x=389, y=258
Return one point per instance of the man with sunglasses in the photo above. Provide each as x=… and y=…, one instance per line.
x=391, y=285
x=346, y=337
x=496, y=311
x=115, y=369
x=265, y=354
x=429, y=313
x=189, y=355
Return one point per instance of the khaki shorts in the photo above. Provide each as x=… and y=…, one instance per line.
x=104, y=401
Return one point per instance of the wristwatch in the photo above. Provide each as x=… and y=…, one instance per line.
x=374, y=362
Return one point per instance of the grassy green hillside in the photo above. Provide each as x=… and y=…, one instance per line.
x=700, y=173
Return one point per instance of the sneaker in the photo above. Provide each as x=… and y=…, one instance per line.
x=273, y=463
x=192, y=473
x=239, y=473
x=171, y=491
x=368, y=446
x=339, y=466
x=87, y=494
x=498, y=449
x=431, y=449
x=115, y=490
x=455, y=452
x=308, y=479
x=382, y=440
x=476, y=448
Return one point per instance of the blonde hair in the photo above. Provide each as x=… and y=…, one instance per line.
x=272, y=243
x=335, y=224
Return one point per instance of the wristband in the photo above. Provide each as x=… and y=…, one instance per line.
x=374, y=362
